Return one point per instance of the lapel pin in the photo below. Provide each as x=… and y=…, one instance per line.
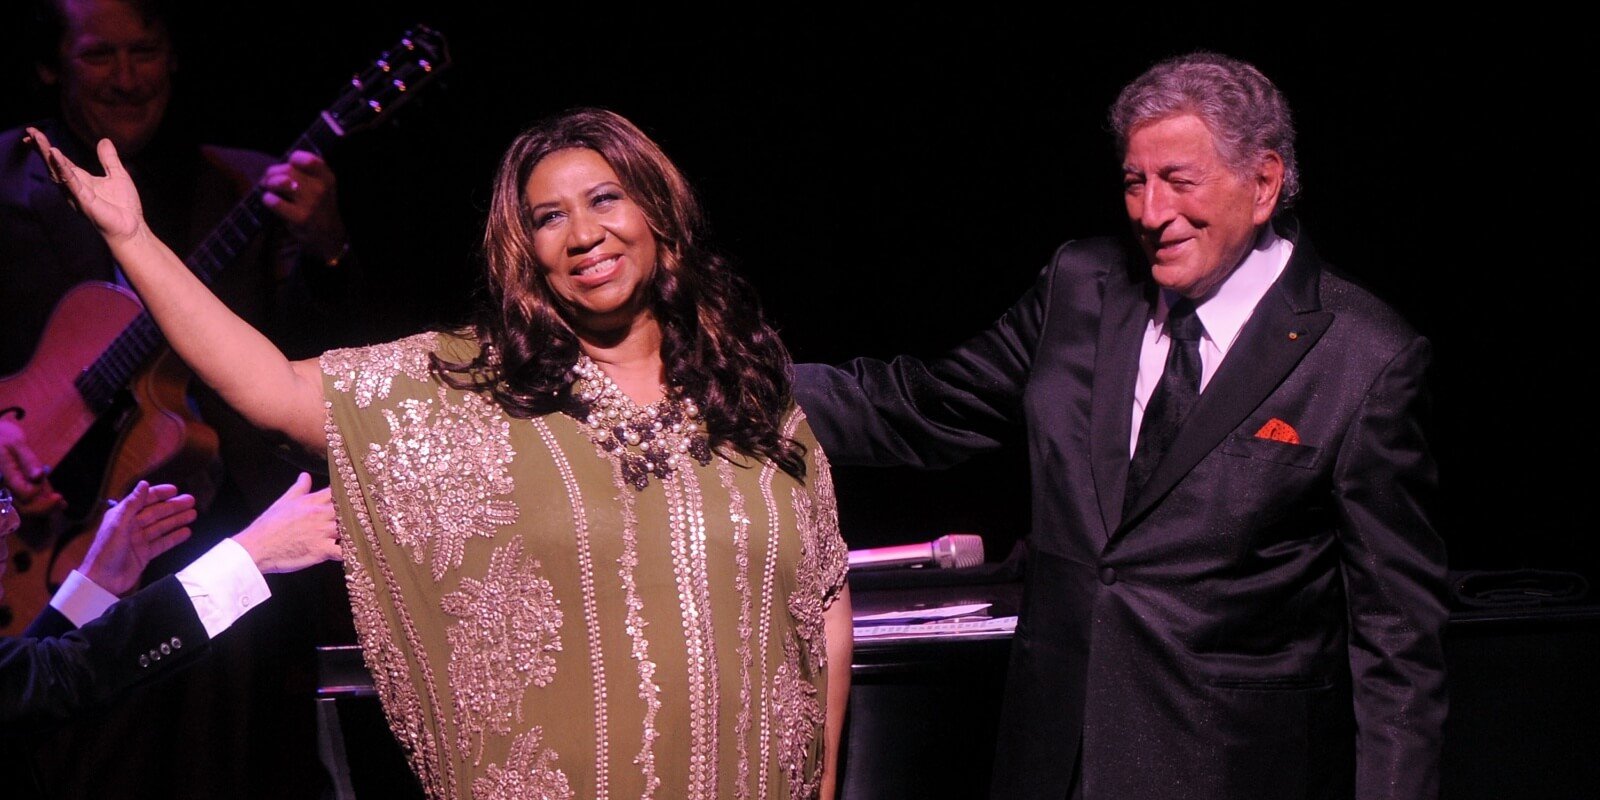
x=1293, y=335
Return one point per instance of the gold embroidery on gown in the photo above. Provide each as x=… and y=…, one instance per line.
x=537, y=627
x=506, y=629
x=367, y=373
x=442, y=476
x=529, y=773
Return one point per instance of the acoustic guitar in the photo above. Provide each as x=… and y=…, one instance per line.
x=102, y=379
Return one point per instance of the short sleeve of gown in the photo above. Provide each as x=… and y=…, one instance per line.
x=826, y=552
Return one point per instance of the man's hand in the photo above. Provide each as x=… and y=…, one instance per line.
x=148, y=522
x=21, y=472
x=302, y=192
x=295, y=532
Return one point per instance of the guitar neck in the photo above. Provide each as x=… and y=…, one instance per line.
x=249, y=216
x=371, y=96
x=141, y=339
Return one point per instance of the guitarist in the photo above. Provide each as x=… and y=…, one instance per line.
x=111, y=69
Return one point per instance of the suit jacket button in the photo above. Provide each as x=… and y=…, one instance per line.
x=155, y=655
x=1108, y=575
x=166, y=649
x=176, y=643
x=144, y=661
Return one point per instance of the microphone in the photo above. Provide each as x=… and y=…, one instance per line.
x=951, y=550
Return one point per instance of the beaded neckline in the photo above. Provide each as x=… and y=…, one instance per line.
x=648, y=440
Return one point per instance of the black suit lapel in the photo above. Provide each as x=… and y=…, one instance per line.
x=1285, y=325
x=1125, y=314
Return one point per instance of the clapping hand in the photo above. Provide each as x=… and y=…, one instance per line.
x=148, y=522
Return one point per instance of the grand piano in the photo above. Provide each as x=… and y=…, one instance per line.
x=1524, y=682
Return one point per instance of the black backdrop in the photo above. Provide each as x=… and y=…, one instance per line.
x=891, y=184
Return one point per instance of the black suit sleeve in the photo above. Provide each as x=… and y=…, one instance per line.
x=1394, y=575
x=50, y=622
x=928, y=414
x=45, y=681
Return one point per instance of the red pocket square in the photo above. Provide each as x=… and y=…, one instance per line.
x=1278, y=431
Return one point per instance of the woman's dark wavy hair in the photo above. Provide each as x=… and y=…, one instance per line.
x=716, y=342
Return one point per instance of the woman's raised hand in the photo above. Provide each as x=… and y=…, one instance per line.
x=111, y=202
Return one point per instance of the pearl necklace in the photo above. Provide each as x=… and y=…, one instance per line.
x=646, y=441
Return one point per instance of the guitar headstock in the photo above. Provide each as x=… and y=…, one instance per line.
x=392, y=79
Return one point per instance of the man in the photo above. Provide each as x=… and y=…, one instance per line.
x=98, y=645
x=90, y=648
x=112, y=68
x=1256, y=610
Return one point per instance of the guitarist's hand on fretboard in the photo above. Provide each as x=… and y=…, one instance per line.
x=303, y=193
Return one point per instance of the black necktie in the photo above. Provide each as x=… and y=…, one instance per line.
x=1171, y=401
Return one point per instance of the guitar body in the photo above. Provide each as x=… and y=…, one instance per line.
x=85, y=323
x=162, y=440
x=150, y=431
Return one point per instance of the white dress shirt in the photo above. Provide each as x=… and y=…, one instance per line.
x=1223, y=314
x=222, y=584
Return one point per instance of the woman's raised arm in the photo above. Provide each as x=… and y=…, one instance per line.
x=244, y=367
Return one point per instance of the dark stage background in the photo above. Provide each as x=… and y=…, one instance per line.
x=891, y=185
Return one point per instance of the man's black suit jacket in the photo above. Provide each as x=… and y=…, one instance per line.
x=1267, y=621
x=57, y=671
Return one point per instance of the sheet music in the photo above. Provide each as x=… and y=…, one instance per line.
x=962, y=627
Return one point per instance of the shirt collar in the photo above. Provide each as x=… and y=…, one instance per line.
x=1227, y=309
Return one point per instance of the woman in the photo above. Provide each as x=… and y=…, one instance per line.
x=591, y=545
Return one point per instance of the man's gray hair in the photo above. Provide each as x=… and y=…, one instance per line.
x=1245, y=112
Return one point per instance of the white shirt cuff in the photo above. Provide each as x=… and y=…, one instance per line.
x=223, y=584
x=81, y=600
